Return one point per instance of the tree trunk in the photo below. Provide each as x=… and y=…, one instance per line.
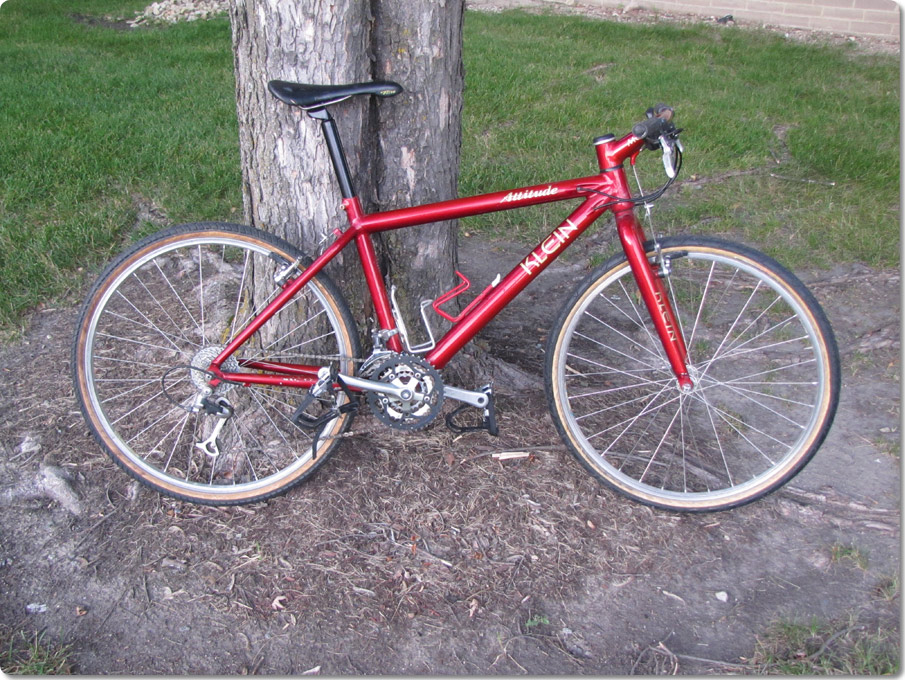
x=401, y=151
x=418, y=43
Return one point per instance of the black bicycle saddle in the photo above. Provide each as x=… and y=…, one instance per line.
x=318, y=96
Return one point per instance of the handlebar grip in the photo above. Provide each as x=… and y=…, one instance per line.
x=658, y=121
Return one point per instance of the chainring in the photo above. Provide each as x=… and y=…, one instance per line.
x=412, y=373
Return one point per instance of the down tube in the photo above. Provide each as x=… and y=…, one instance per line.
x=515, y=282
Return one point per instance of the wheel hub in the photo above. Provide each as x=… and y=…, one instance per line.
x=200, y=363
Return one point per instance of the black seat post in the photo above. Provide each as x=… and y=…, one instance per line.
x=334, y=145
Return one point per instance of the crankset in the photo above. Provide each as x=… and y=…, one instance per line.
x=417, y=395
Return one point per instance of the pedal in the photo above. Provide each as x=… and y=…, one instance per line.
x=325, y=379
x=307, y=422
x=488, y=421
x=317, y=423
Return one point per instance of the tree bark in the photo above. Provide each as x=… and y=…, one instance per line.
x=401, y=151
x=419, y=44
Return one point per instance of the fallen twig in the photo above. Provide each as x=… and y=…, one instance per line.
x=803, y=180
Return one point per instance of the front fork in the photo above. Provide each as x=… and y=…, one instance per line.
x=655, y=297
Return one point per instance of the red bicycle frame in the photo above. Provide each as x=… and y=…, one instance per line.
x=598, y=193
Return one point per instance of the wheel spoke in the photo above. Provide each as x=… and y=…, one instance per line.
x=731, y=328
x=612, y=349
x=613, y=406
x=638, y=320
x=240, y=291
x=745, y=392
x=697, y=318
x=119, y=338
x=157, y=303
x=176, y=441
x=150, y=325
x=176, y=408
x=176, y=295
x=172, y=303
x=661, y=442
x=142, y=384
x=759, y=395
x=597, y=393
x=611, y=370
x=730, y=418
x=631, y=341
x=647, y=410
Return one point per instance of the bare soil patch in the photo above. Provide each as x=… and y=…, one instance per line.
x=424, y=553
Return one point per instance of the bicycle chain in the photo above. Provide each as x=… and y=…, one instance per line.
x=362, y=360
x=379, y=360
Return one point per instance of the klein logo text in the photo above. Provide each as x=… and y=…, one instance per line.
x=529, y=193
x=664, y=314
x=552, y=243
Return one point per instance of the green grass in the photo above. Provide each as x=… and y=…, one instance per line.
x=26, y=654
x=840, y=553
x=540, y=89
x=888, y=588
x=96, y=121
x=827, y=648
x=536, y=620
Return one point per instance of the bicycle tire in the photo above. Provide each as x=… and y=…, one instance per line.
x=762, y=356
x=158, y=315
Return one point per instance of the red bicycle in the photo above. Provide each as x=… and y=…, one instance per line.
x=218, y=364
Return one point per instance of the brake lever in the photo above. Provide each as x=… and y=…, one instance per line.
x=669, y=144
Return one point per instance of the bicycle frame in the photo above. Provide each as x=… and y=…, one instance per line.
x=607, y=190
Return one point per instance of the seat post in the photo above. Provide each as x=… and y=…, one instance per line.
x=334, y=145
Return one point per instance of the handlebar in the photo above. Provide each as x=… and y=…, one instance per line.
x=658, y=122
x=658, y=131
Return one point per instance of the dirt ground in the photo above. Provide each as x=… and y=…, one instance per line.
x=423, y=554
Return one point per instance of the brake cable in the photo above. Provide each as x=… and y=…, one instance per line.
x=636, y=200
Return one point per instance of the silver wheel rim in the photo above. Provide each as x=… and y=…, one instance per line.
x=97, y=394
x=660, y=400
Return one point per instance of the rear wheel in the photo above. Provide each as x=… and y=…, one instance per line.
x=761, y=355
x=151, y=326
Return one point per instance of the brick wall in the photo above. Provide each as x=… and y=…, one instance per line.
x=876, y=18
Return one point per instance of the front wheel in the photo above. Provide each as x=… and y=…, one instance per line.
x=151, y=326
x=761, y=355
